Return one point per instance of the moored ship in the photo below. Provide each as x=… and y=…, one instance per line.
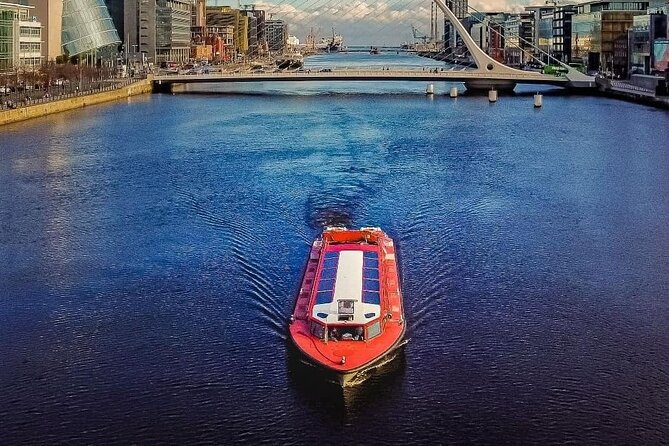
x=332, y=44
x=290, y=61
x=349, y=316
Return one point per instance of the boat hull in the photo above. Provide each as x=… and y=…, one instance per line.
x=348, y=360
x=354, y=377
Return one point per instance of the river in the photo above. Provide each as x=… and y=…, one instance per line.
x=150, y=252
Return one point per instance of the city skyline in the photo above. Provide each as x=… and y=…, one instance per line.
x=363, y=21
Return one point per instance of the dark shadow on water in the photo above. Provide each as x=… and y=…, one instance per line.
x=320, y=218
x=343, y=404
x=262, y=92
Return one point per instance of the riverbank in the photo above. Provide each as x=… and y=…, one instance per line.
x=75, y=101
x=627, y=91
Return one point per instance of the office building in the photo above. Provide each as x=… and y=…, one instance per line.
x=277, y=35
x=562, y=32
x=542, y=38
x=598, y=28
x=158, y=30
x=257, y=40
x=488, y=33
x=198, y=20
x=222, y=16
x=518, y=38
x=461, y=10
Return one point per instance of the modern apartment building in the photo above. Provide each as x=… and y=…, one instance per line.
x=50, y=14
x=20, y=37
x=542, y=39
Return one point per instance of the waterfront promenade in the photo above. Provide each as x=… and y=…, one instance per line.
x=34, y=108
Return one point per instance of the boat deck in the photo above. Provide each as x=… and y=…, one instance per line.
x=357, y=354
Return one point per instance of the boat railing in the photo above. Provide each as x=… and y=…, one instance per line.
x=336, y=235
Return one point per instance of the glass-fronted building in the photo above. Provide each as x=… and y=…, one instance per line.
x=87, y=27
x=595, y=30
x=646, y=30
x=542, y=32
x=518, y=38
x=545, y=35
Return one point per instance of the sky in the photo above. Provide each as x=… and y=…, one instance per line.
x=363, y=22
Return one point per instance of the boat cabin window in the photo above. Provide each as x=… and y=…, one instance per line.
x=348, y=333
x=317, y=330
x=374, y=330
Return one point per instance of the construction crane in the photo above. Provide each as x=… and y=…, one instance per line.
x=417, y=35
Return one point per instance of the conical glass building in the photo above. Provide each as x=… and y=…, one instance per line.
x=87, y=27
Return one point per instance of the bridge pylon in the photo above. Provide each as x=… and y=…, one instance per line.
x=494, y=74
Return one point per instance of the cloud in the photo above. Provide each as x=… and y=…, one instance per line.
x=367, y=21
x=500, y=5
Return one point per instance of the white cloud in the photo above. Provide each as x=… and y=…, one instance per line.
x=366, y=21
x=501, y=5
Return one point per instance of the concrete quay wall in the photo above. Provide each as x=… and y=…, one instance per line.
x=143, y=86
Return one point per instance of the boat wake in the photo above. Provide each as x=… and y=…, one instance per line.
x=417, y=236
x=262, y=283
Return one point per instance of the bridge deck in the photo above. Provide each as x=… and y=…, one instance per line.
x=337, y=74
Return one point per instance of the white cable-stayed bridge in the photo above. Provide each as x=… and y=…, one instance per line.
x=483, y=73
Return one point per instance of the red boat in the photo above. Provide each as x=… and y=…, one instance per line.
x=348, y=316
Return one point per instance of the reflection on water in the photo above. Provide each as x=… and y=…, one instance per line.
x=343, y=405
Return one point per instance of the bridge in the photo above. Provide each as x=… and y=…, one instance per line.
x=487, y=73
x=472, y=78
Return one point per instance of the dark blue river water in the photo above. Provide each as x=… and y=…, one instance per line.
x=150, y=252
